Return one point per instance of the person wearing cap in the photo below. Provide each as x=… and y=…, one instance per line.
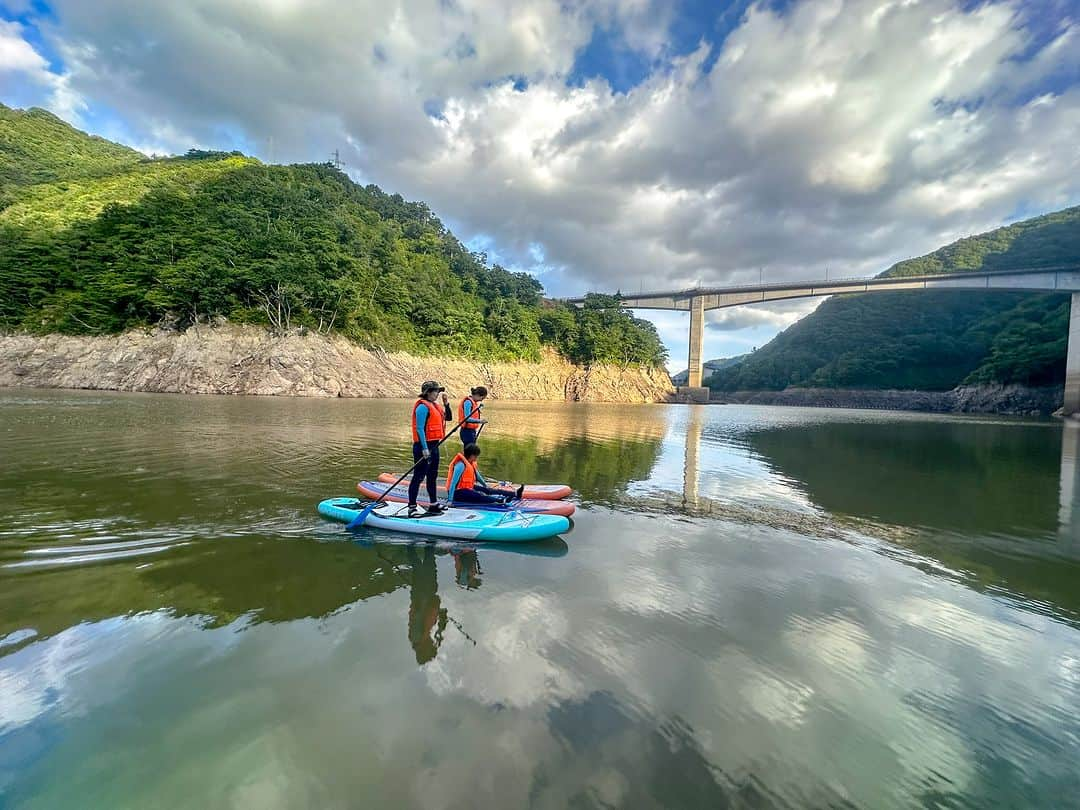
x=428, y=430
x=469, y=414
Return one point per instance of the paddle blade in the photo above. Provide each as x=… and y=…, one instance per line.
x=358, y=521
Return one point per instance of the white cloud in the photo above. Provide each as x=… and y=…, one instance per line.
x=778, y=316
x=16, y=54
x=840, y=133
x=21, y=65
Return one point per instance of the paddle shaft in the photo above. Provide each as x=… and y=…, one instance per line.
x=480, y=429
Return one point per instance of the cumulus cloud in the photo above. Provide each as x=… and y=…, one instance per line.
x=777, y=316
x=21, y=65
x=16, y=54
x=839, y=133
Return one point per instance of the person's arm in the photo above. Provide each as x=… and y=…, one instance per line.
x=455, y=477
x=421, y=427
x=447, y=413
x=480, y=478
x=472, y=414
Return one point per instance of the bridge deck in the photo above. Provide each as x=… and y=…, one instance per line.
x=1045, y=279
x=1038, y=279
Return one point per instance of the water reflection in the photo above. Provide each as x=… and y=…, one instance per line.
x=725, y=652
x=467, y=571
x=428, y=618
x=993, y=501
x=961, y=476
x=260, y=580
x=1069, y=489
x=693, y=452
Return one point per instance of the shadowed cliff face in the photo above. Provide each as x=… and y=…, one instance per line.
x=248, y=360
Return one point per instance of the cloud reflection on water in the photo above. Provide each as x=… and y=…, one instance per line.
x=669, y=657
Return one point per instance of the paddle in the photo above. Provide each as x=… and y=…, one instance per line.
x=481, y=428
x=358, y=521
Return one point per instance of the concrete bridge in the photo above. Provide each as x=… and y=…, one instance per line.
x=699, y=299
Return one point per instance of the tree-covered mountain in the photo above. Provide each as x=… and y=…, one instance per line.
x=932, y=340
x=37, y=147
x=97, y=238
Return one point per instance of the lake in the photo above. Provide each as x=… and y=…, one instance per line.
x=756, y=607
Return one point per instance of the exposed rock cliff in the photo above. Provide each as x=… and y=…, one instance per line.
x=233, y=359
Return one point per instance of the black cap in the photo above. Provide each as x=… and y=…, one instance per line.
x=429, y=386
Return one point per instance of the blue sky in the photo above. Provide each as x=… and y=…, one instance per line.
x=603, y=144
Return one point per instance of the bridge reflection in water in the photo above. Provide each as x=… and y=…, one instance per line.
x=1069, y=512
x=692, y=455
x=995, y=504
x=970, y=478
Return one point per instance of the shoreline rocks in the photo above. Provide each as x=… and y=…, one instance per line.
x=1010, y=400
x=248, y=360
x=234, y=359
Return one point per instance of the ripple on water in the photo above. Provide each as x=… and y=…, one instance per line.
x=90, y=554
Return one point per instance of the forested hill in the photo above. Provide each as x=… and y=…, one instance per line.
x=96, y=238
x=931, y=340
x=37, y=147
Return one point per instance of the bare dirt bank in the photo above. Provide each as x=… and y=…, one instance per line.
x=233, y=359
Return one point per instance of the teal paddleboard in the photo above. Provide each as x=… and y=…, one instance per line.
x=460, y=524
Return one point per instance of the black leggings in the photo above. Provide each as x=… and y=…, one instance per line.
x=479, y=494
x=427, y=469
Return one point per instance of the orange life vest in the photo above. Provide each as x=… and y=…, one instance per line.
x=468, y=475
x=474, y=415
x=435, y=427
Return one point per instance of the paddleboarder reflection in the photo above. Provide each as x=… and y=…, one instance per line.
x=427, y=617
x=426, y=613
x=467, y=569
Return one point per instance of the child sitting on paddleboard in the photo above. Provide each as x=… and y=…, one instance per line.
x=466, y=485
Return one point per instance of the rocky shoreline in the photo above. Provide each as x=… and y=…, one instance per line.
x=1012, y=400
x=232, y=359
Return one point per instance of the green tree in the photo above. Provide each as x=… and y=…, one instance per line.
x=109, y=240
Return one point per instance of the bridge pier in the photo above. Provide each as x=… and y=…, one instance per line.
x=1072, y=361
x=697, y=334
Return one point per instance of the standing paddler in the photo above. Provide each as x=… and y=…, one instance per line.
x=428, y=429
x=469, y=415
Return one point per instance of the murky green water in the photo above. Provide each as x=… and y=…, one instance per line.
x=756, y=607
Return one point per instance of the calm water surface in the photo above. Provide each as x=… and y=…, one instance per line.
x=755, y=608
